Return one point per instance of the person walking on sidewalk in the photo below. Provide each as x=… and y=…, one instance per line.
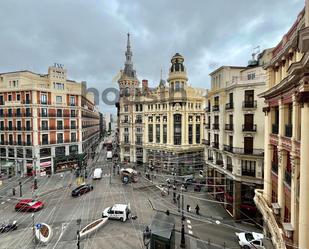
x=188, y=208
x=197, y=209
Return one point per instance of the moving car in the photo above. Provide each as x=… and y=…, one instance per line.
x=249, y=240
x=83, y=189
x=97, y=173
x=29, y=205
x=117, y=211
x=7, y=227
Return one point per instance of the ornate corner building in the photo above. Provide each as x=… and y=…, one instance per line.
x=161, y=126
x=47, y=124
x=284, y=201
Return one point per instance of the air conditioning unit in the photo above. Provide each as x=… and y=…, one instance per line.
x=288, y=230
x=276, y=208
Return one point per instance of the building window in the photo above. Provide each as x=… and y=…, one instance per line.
x=60, y=151
x=150, y=133
x=44, y=112
x=157, y=133
x=73, y=124
x=18, y=97
x=73, y=113
x=18, y=125
x=9, y=97
x=73, y=137
x=164, y=133
x=28, y=125
x=59, y=138
x=19, y=142
x=44, y=125
x=198, y=133
x=59, y=113
x=72, y=100
x=248, y=168
x=190, y=135
x=73, y=149
x=58, y=99
x=126, y=138
x=45, y=139
x=44, y=99
x=126, y=130
x=59, y=125
x=177, y=129
x=29, y=139
x=1, y=100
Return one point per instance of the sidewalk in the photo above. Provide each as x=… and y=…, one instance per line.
x=46, y=185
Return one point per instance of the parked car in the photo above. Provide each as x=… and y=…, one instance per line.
x=9, y=226
x=29, y=205
x=117, y=211
x=83, y=189
x=248, y=240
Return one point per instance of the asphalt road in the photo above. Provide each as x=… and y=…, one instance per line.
x=66, y=215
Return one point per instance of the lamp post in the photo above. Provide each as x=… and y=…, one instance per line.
x=147, y=236
x=33, y=225
x=182, y=203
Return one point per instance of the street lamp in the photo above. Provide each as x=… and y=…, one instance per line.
x=182, y=204
x=147, y=236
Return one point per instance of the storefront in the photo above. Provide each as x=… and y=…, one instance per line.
x=7, y=169
x=45, y=166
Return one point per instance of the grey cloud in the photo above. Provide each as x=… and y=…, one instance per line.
x=89, y=36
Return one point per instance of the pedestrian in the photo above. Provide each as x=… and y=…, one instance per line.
x=14, y=191
x=197, y=209
x=188, y=208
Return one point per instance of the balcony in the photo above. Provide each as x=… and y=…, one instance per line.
x=228, y=148
x=229, y=167
x=215, y=126
x=139, y=121
x=229, y=127
x=249, y=127
x=216, y=108
x=275, y=129
x=229, y=106
x=215, y=145
x=59, y=127
x=288, y=130
x=205, y=142
x=274, y=167
x=219, y=162
x=249, y=104
x=139, y=142
x=287, y=177
x=269, y=219
x=44, y=128
x=248, y=173
x=248, y=151
x=207, y=126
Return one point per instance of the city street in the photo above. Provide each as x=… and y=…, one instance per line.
x=66, y=215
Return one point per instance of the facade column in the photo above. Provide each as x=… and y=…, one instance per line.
x=281, y=169
x=294, y=191
x=307, y=13
x=296, y=119
x=170, y=127
x=183, y=128
x=267, y=158
x=304, y=182
x=236, y=200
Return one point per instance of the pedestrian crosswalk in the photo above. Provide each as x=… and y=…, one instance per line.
x=189, y=227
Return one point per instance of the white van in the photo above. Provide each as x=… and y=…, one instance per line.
x=109, y=155
x=97, y=173
x=117, y=211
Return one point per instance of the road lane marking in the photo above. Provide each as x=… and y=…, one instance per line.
x=188, y=221
x=2, y=203
x=189, y=226
x=190, y=232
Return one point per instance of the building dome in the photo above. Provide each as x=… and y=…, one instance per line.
x=177, y=63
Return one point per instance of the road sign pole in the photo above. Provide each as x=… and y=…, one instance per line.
x=33, y=225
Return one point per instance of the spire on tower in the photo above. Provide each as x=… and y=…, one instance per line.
x=128, y=66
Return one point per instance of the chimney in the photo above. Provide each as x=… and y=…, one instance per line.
x=145, y=84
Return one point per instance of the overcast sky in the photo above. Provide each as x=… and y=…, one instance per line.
x=89, y=36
